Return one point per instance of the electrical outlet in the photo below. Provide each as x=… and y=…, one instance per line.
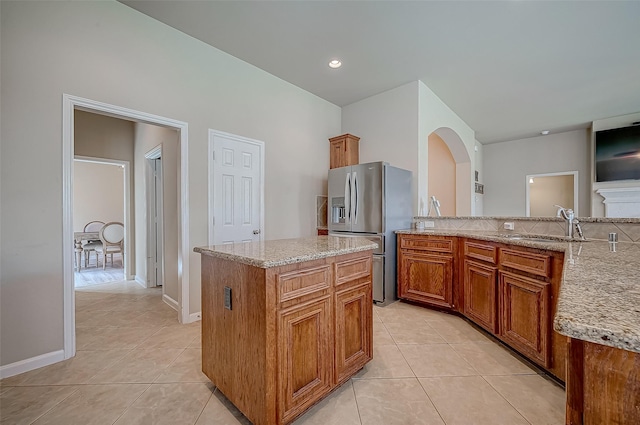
x=508, y=226
x=430, y=224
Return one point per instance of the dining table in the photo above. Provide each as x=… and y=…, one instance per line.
x=78, y=237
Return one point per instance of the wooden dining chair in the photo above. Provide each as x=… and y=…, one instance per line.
x=112, y=238
x=89, y=246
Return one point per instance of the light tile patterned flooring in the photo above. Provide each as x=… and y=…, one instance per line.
x=136, y=365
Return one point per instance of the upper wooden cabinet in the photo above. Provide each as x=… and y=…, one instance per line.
x=344, y=151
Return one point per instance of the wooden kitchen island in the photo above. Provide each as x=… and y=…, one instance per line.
x=285, y=322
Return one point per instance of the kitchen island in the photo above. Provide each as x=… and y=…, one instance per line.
x=285, y=322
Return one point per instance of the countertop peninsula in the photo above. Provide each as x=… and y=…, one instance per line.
x=599, y=298
x=274, y=253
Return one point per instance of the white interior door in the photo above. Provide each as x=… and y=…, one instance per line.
x=236, y=200
x=155, y=219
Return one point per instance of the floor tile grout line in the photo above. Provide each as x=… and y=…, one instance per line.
x=52, y=407
x=432, y=403
x=132, y=403
x=355, y=397
x=505, y=399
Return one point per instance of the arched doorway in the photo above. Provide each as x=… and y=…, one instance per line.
x=449, y=172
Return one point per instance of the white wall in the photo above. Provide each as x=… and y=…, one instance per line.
x=108, y=52
x=98, y=193
x=387, y=125
x=507, y=164
x=148, y=137
x=436, y=116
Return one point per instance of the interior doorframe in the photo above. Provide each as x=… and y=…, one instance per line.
x=211, y=187
x=69, y=104
x=562, y=173
x=127, y=261
x=152, y=202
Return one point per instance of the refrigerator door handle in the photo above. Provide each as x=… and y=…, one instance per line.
x=347, y=198
x=355, y=195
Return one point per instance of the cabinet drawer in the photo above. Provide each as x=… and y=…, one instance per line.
x=352, y=269
x=426, y=243
x=302, y=282
x=480, y=251
x=537, y=264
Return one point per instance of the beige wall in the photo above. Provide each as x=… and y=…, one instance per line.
x=507, y=164
x=442, y=175
x=98, y=193
x=547, y=191
x=148, y=137
x=106, y=51
x=100, y=136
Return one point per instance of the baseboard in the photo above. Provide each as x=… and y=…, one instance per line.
x=140, y=281
x=31, y=364
x=170, y=302
x=194, y=317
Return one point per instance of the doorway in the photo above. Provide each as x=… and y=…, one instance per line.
x=545, y=191
x=101, y=193
x=70, y=104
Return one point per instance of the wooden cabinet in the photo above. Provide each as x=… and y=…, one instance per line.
x=289, y=334
x=343, y=151
x=525, y=322
x=603, y=385
x=426, y=270
x=509, y=290
x=306, y=355
x=481, y=294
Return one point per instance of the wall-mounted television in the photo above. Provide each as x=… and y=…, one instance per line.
x=618, y=154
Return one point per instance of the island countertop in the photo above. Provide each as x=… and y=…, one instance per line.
x=274, y=253
x=599, y=299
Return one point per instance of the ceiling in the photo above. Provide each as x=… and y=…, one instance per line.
x=509, y=69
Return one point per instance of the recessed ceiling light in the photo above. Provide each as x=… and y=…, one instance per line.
x=544, y=132
x=335, y=63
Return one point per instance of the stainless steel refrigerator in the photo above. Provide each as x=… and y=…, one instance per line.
x=372, y=200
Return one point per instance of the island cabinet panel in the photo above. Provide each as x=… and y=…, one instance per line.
x=354, y=324
x=525, y=319
x=305, y=356
x=426, y=278
x=277, y=340
x=603, y=385
x=481, y=294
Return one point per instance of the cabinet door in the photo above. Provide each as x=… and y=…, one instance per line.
x=354, y=324
x=426, y=278
x=337, y=156
x=305, y=361
x=525, y=321
x=481, y=294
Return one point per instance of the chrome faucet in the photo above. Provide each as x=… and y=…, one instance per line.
x=569, y=216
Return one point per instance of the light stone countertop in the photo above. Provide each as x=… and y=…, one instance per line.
x=281, y=252
x=599, y=299
x=558, y=219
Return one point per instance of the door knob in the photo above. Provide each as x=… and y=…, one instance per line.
x=256, y=232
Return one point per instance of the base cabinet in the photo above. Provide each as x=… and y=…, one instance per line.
x=426, y=270
x=305, y=355
x=481, y=294
x=508, y=290
x=353, y=337
x=525, y=316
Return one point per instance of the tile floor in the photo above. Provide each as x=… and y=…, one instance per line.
x=136, y=365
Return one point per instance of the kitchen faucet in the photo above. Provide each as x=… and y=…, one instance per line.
x=568, y=215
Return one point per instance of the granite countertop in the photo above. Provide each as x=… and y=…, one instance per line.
x=503, y=218
x=599, y=298
x=281, y=252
